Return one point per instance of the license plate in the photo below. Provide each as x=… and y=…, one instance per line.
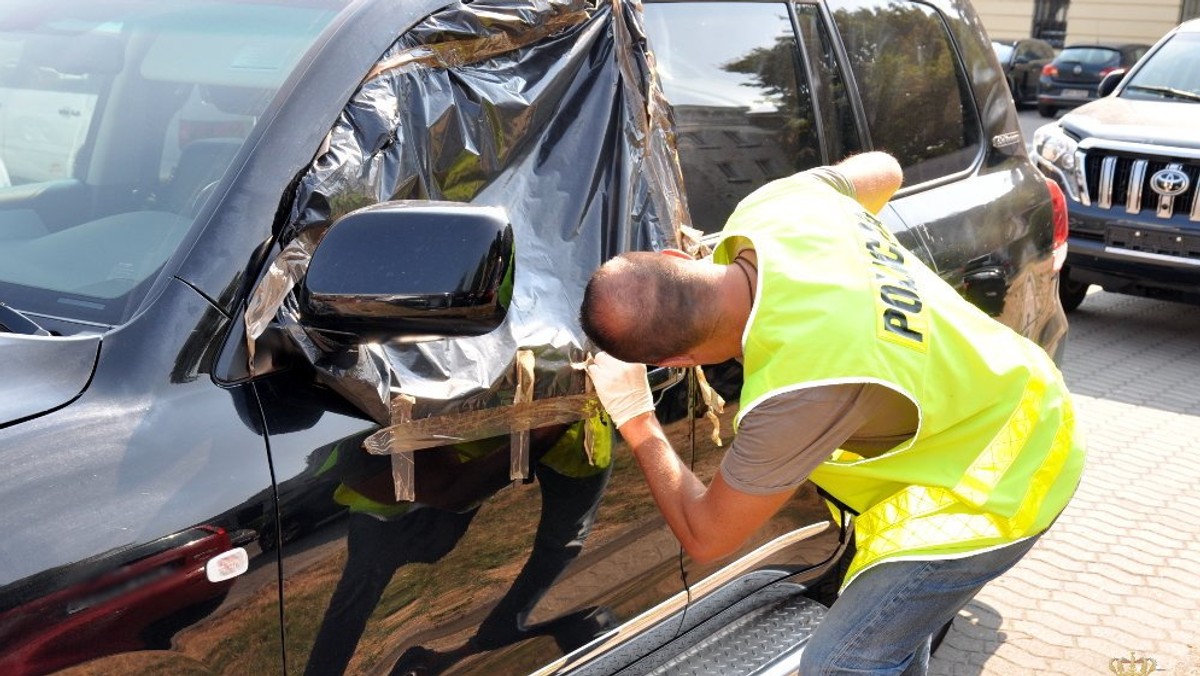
x=1074, y=93
x=1157, y=242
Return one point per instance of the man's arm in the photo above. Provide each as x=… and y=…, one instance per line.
x=876, y=177
x=710, y=522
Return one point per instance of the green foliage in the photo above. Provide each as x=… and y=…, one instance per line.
x=907, y=74
x=773, y=71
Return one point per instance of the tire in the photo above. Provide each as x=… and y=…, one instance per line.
x=1071, y=293
x=1047, y=110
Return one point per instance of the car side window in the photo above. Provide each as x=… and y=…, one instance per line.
x=915, y=93
x=829, y=86
x=743, y=106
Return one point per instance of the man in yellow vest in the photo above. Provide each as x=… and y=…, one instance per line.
x=949, y=436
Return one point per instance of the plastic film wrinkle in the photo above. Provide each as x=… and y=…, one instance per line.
x=493, y=145
x=503, y=30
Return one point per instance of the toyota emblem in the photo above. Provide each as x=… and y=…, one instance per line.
x=1170, y=182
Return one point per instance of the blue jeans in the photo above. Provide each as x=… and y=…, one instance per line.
x=883, y=622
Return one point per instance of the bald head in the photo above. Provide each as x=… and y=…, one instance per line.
x=646, y=307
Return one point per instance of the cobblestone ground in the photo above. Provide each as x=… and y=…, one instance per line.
x=1118, y=577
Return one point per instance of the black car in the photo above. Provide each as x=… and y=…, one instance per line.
x=1130, y=164
x=288, y=368
x=1071, y=79
x=1022, y=61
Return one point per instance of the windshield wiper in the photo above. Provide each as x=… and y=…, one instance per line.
x=13, y=320
x=1169, y=92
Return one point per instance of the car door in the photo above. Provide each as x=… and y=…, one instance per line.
x=1026, y=70
x=476, y=571
x=758, y=93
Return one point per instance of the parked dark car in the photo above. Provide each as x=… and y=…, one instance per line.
x=1071, y=79
x=287, y=369
x=1022, y=61
x=1130, y=164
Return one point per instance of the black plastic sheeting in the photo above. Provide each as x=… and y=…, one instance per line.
x=546, y=108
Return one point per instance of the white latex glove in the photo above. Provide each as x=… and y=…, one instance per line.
x=621, y=386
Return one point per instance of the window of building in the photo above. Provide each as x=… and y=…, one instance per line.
x=829, y=87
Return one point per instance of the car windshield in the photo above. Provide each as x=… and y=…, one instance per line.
x=117, y=120
x=1172, y=72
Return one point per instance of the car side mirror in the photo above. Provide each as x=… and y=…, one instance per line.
x=410, y=271
x=1109, y=84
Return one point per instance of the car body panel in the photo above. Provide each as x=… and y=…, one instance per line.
x=132, y=467
x=1164, y=123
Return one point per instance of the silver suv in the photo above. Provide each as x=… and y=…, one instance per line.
x=1130, y=164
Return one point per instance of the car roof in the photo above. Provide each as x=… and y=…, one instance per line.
x=1013, y=41
x=1190, y=26
x=1103, y=45
x=1106, y=45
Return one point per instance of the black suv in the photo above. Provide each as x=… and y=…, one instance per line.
x=1130, y=164
x=287, y=375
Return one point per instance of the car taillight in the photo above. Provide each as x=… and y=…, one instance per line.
x=1058, y=202
x=1106, y=71
x=1050, y=70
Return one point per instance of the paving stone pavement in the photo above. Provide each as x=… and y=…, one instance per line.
x=1118, y=576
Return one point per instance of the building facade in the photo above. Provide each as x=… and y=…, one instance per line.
x=1064, y=22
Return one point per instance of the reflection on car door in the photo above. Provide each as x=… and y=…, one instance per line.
x=473, y=576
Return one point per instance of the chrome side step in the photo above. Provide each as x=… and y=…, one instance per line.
x=763, y=634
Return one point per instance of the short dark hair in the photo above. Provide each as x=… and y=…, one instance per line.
x=643, y=307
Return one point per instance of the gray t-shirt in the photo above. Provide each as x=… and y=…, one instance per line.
x=783, y=439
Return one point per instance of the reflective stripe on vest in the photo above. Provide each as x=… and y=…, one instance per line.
x=921, y=517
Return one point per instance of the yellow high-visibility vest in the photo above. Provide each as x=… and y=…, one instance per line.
x=995, y=458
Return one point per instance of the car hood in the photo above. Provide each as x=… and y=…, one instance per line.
x=1169, y=123
x=41, y=373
